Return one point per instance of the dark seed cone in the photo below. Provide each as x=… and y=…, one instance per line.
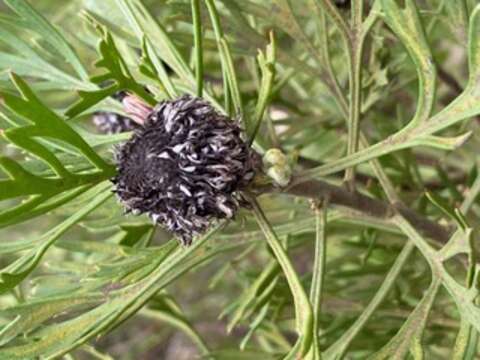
x=185, y=167
x=112, y=123
x=345, y=4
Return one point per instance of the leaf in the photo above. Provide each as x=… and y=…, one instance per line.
x=255, y=324
x=94, y=352
x=36, y=22
x=267, y=67
x=340, y=346
x=231, y=85
x=282, y=12
x=458, y=18
x=116, y=71
x=464, y=106
x=412, y=329
x=408, y=27
x=465, y=298
x=28, y=62
x=250, y=295
x=447, y=210
x=442, y=143
x=464, y=348
x=46, y=124
x=134, y=234
x=249, y=39
x=146, y=27
x=16, y=272
x=318, y=273
x=467, y=104
x=56, y=339
x=198, y=45
x=232, y=79
x=171, y=314
x=303, y=310
x=36, y=56
x=43, y=192
x=247, y=354
x=152, y=67
x=31, y=315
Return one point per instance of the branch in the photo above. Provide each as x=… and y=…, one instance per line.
x=337, y=195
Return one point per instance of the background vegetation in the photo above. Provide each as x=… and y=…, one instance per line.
x=368, y=253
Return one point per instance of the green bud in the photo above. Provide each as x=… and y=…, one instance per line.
x=277, y=167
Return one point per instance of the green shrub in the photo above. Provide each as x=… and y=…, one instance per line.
x=356, y=239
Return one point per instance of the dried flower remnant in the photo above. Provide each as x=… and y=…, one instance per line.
x=345, y=4
x=113, y=123
x=185, y=167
